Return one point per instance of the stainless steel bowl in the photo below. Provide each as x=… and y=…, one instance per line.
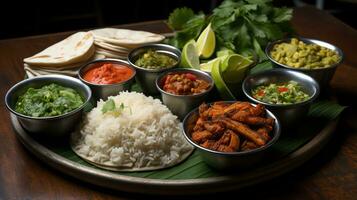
x=48, y=127
x=288, y=114
x=146, y=77
x=230, y=160
x=180, y=105
x=103, y=91
x=321, y=75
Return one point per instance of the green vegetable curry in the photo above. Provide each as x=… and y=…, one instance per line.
x=154, y=60
x=47, y=101
x=287, y=93
x=298, y=54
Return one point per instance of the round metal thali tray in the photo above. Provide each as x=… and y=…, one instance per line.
x=214, y=182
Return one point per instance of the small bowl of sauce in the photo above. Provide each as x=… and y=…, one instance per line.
x=184, y=89
x=152, y=60
x=107, y=77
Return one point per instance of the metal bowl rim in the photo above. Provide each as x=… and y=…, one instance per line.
x=155, y=46
x=277, y=132
x=23, y=82
x=306, y=40
x=80, y=71
x=309, y=100
x=195, y=71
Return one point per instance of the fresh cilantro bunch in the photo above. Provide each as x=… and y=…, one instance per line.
x=240, y=25
x=187, y=25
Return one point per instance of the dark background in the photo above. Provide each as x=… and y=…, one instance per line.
x=25, y=18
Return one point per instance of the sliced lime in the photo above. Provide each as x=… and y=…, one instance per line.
x=207, y=67
x=224, y=52
x=190, y=56
x=221, y=86
x=234, y=67
x=206, y=42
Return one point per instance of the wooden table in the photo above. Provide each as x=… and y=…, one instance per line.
x=332, y=174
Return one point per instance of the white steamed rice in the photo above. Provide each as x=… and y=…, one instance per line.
x=145, y=135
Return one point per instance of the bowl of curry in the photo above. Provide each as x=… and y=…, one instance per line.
x=107, y=77
x=231, y=134
x=184, y=89
x=48, y=106
x=152, y=60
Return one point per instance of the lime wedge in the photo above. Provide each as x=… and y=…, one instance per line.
x=234, y=67
x=190, y=56
x=206, y=42
x=224, y=52
x=221, y=86
x=207, y=67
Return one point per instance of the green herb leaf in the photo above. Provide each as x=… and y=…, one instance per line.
x=179, y=17
x=239, y=25
x=282, y=14
x=190, y=30
x=108, y=106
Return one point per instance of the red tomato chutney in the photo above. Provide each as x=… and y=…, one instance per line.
x=108, y=73
x=184, y=84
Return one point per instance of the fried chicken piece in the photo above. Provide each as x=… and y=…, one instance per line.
x=199, y=125
x=203, y=111
x=240, y=115
x=251, y=120
x=229, y=142
x=258, y=110
x=235, y=107
x=264, y=131
x=208, y=144
x=219, y=105
x=244, y=130
x=214, y=127
x=201, y=136
x=248, y=145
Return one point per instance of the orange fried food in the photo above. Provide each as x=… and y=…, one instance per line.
x=231, y=142
x=222, y=126
x=248, y=145
x=252, y=120
x=214, y=127
x=244, y=130
x=237, y=106
x=201, y=136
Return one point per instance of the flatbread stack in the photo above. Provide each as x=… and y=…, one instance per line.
x=68, y=55
x=64, y=57
x=117, y=43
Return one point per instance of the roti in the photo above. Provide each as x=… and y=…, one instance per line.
x=113, y=52
x=70, y=66
x=39, y=72
x=126, y=37
x=77, y=47
x=111, y=47
x=111, y=55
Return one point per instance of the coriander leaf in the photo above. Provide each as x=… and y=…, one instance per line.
x=258, y=50
x=243, y=39
x=272, y=31
x=191, y=30
x=228, y=4
x=108, y=106
x=255, y=29
x=221, y=21
x=258, y=2
x=258, y=18
x=179, y=17
x=282, y=14
x=248, y=7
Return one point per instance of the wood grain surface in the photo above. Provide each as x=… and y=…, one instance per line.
x=332, y=174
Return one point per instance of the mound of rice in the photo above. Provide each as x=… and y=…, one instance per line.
x=145, y=135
